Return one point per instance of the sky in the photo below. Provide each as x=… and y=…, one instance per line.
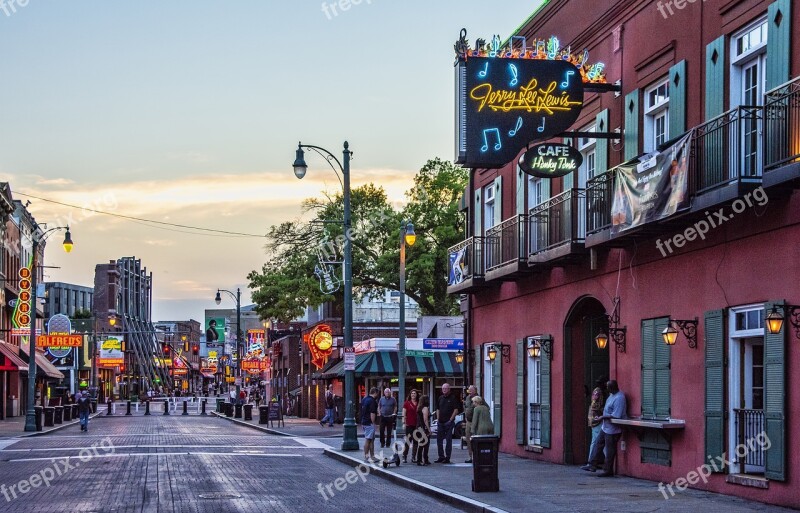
x=190, y=111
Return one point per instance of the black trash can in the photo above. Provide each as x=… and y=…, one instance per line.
x=248, y=412
x=67, y=413
x=229, y=409
x=484, y=463
x=49, y=413
x=220, y=405
x=58, y=414
x=75, y=413
x=37, y=410
x=263, y=414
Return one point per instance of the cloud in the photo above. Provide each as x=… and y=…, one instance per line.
x=54, y=181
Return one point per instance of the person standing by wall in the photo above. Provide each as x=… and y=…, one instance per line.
x=369, y=411
x=595, y=412
x=610, y=433
x=481, y=418
x=330, y=407
x=387, y=408
x=422, y=435
x=410, y=416
x=469, y=407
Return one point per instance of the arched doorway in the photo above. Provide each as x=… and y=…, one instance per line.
x=584, y=365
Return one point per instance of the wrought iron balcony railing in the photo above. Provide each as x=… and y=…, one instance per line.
x=749, y=429
x=782, y=125
x=506, y=243
x=466, y=261
x=599, y=199
x=557, y=221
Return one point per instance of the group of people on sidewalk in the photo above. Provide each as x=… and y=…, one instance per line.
x=418, y=419
x=605, y=434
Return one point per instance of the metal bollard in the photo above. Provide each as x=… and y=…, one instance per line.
x=128, y=412
x=185, y=408
x=166, y=407
x=203, y=412
x=109, y=407
x=147, y=408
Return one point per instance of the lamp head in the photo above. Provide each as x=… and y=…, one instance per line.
x=300, y=166
x=459, y=356
x=112, y=320
x=601, y=340
x=68, y=241
x=410, y=235
x=218, y=298
x=774, y=321
x=670, y=335
x=492, y=353
x=534, y=349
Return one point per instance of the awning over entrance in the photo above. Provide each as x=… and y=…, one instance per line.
x=12, y=359
x=43, y=366
x=384, y=363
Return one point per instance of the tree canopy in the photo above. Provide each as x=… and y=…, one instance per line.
x=287, y=283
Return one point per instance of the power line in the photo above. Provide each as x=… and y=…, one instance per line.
x=132, y=218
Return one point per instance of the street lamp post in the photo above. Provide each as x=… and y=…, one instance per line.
x=407, y=236
x=349, y=440
x=238, y=298
x=30, y=415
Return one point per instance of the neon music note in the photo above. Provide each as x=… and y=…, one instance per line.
x=514, y=74
x=512, y=133
x=485, y=71
x=565, y=83
x=541, y=128
x=497, y=146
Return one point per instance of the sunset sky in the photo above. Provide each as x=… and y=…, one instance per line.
x=189, y=112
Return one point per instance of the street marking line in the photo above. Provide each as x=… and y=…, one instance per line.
x=310, y=443
x=7, y=443
x=131, y=454
x=203, y=446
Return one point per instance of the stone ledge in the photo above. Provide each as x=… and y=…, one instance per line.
x=746, y=480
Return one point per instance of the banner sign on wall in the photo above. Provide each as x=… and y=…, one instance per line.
x=111, y=352
x=457, y=267
x=508, y=96
x=651, y=187
x=215, y=331
x=450, y=344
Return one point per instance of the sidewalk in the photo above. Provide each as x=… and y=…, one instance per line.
x=15, y=427
x=525, y=485
x=291, y=426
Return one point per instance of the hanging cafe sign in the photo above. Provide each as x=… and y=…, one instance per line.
x=550, y=160
x=508, y=96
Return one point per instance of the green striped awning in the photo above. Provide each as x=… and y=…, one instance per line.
x=385, y=363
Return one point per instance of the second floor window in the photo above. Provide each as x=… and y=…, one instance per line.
x=489, y=205
x=656, y=115
x=587, y=147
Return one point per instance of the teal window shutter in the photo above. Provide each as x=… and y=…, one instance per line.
x=521, y=392
x=522, y=185
x=498, y=200
x=601, y=146
x=478, y=363
x=661, y=368
x=775, y=401
x=477, y=212
x=497, y=393
x=632, y=124
x=544, y=387
x=779, y=42
x=677, y=99
x=715, y=78
x=714, y=341
x=648, y=369
x=569, y=179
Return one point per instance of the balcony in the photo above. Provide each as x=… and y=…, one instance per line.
x=465, y=266
x=506, y=249
x=782, y=136
x=726, y=157
x=557, y=229
x=599, y=198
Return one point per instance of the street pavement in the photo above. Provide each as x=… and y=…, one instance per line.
x=185, y=464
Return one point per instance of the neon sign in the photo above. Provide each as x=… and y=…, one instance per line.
x=320, y=343
x=550, y=160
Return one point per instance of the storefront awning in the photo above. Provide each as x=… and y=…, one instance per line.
x=43, y=366
x=384, y=363
x=11, y=353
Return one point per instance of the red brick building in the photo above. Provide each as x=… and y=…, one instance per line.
x=545, y=263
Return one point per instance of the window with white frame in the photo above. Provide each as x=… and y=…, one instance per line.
x=748, y=84
x=656, y=115
x=489, y=205
x=587, y=145
x=535, y=191
x=534, y=400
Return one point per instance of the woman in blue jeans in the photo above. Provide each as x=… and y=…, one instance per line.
x=595, y=412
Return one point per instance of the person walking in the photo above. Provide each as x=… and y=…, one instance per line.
x=422, y=434
x=330, y=407
x=595, y=412
x=84, y=407
x=387, y=408
x=369, y=413
x=469, y=407
x=448, y=408
x=610, y=433
x=410, y=418
x=481, y=418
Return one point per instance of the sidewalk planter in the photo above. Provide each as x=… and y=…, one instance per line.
x=484, y=463
x=263, y=414
x=38, y=412
x=58, y=414
x=248, y=412
x=49, y=412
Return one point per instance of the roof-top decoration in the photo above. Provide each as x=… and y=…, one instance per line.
x=517, y=47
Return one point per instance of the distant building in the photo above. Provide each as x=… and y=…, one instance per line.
x=67, y=298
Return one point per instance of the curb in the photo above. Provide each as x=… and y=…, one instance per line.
x=57, y=428
x=418, y=486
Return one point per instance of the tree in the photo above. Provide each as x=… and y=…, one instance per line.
x=287, y=283
x=81, y=313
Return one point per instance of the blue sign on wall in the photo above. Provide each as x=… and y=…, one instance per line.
x=452, y=344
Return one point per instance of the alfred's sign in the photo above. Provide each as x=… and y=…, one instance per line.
x=320, y=344
x=550, y=160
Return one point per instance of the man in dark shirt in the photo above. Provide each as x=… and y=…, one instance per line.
x=448, y=408
x=369, y=412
